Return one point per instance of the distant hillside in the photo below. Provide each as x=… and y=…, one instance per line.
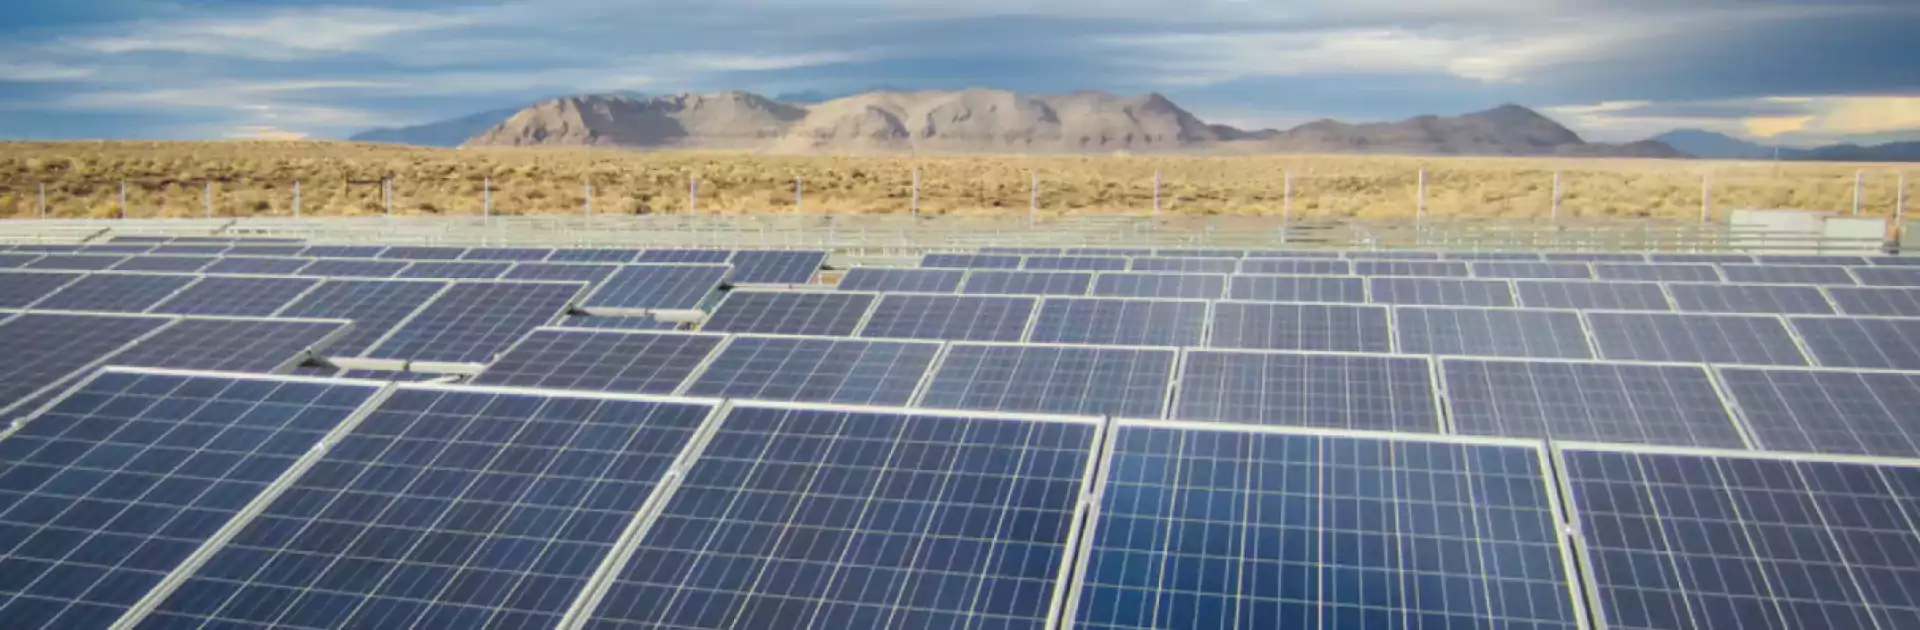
x=446, y=133
x=1719, y=146
x=725, y=120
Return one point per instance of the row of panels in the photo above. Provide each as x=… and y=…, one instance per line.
x=1785, y=409
x=162, y=500
x=1902, y=276
x=771, y=268
x=1862, y=342
x=1465, y=256
x=745, y=258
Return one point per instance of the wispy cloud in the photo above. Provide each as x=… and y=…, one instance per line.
x=285, y=34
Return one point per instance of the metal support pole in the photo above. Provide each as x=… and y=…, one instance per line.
x=589, y=208
x=799, y=194
x=693, y=193
x=1858, y=181
x=1033, y=199
x=206, y=198
x=1286, y=204
x=386, y=193
x=1556, y=196
x=1900, y=202
x=486, y=198
x=1156, y=193
x=1706, y=197
x=1420, y=203
x=43, y=200
x=123, y=199
x=296, y=199
x=916, y=192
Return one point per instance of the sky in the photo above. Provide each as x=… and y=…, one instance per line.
x=1796, y=73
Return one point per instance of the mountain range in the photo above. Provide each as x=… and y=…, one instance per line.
x=1719, y=146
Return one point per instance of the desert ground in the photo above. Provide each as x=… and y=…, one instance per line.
x=168, y=179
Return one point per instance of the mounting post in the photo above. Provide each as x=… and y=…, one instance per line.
x=1033, y=199
x=296, y=199
x=1706, y=197
x=1156, y=193
x=1556, y=196
x=486, y=198
x=206, y=198
x=799, y=194
x=123, y=199
x=43, y=200
x=916, y=193
x=1900, y=202
x=1286, y=198
x=1858, y=181
x=386, y=193
x=1420, y=200
x=589, y=208
x=693, y=193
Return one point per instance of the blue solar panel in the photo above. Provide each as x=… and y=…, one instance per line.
x=594, y=255
x=120, y=293
x=1887, y=301
x=1329, y=289
x=1787, y=274
x=617, y=322
x=1614, y=296
x=831, y=519
x=1229, y=528
x=1553, y=270
x=1391, y=255
x=1200, y=253
x=1862, y=342
x=1626, y=257
x=1660, y=257
x=902, y=280
x=48, y=248
x=1440, y=292
x=230, y=345
x=1827, y=411
x=236, y=296
x=1121, y=322
x=1108, y=251
x=451, y=270
x=953, y=317
x=1674, y=405
x=1187, y=265
x=1491, y=332
x=23, y=289
x=1160, y=285
x=74, y=262
x=1734, y=339
x=14, y=261
x=473, y=321
x=444, y=509
x=775, y=267
x=513, y=254
x=591, y=274
x=1286, y=266
x=344, y=251
x=1888, y=276
x=1075, y=263
x=176, y=264
x=670, y=287
x=712, y=256
x=1041, y=251
x=45, y=350
x=608, y=361
x=1028, y=282
x=1417, y=268
x=116, y=248
x=266, y=250
x=1886, y=261
x=258, y=266
x=1809, y=259
x=1749, y=298
x=1292, y=253
x=112, y=489
x=1724, y=541
x=1657, y=273
x=350, y=268
x=1123, y=382
x=845, y=371
x=421, y=253
x=1493, y=256
x=1300, y=327
x=1352, y=392
x=836, y=314
x=970, y=261
x=374, y=306
x=192, y=250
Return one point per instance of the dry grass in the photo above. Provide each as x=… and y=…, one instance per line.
x=256, y=179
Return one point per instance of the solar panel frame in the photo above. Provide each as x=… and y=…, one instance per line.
x=949, y=317
x=238, y=296
x=1296, y=266
x=1887, y=276
x=376, y=308
x=514, y=309
x=1788, y=274
x=245, y=265
x=1008, y=282
x=1186, y=265
x=353, y=268
x=775, y=266
x=867, y=372
x=509, y=254
x=616, y=361
x=1659, y=337
x=1308, y=390
x=1592, y=257
x=169, y=264
x=1829, y=411
x=420, y=252
x=594, y=255
x=1612, y=296
x=1532, y=270
x=74, y=262
x=1859, y=342
x=232, y=344
x=1323, y=289
x=23, y=289
x=657, y=287
x=906, y=280
x=1784, y=299
x=1079, y=380
x=1120, y=322
x=1483, y=332
x=1365, y=327
x=116, y=292
x=1415, y=268
x=1881, y=301
x=835, y=313
x=1075, y=263
x=1670, y=404
x=685, y=256
x=968, y=261
x=1701, y=272
x=454, y=270
x=563, y=272
x=1125, y=284
x=1440, y=291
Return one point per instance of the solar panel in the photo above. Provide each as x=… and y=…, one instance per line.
x=176, y=264
x=1288, y=266
x=1108, y=251
x=1187, y=265
x=1656, y=273
x=1257, y=326
x=23, y=289
x=1200, y=253
x=1491, y=332
x=1430, y=269
x=1334, y=391
x=351, y=268
x=1894, y=261
x=1675, y=405
x=1888, y=276
x=1627, y=257
x=48, y=248
x=1861, y=342
x=902, y=280
x=235, y=296
x=842, y=519
x=1121, y=322
x=344, y=251
x=1544, y=270
x=45, y=350
x=1436, y=291
x=1660, y=257
x=707, y=256
x=511, y=254
x=1705, y=540
x=1291, y=253
x=429, y=269
x=607, y=361
x=1827, y=411
x=970, y=261
x=191, y=250
x=115, y=487
x=1787, y=274
x=1040, y=251
x=1617, y=296
x=1887, y=301
x=845, y=371
x=777, y=313
x=422, y=253
x=594, y=255
x=445, y=508
x=473, y=321
x=1391, y=255
x=994, y=282
x=121, y=293
x=14, y=261
x=1749, y=298
x=74, y=262
x=267, y=250
x=775, y=267
x=1809, y=259
x=1493, y=256
x=1297, y=289
x=1078, y=380
x=1736, y=339
x=955, y=317
x=1075, y=263
x=591, y=274
x=231, y=345
x=616, y=322
x=116, y=248
x=1230, y=527
x=1160, y=285
x=670, y=287
x=375, y=307
x=258, y=266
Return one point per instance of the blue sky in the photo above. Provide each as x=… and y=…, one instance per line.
x=1800, y=72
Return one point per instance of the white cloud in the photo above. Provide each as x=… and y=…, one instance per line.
x=1789, y=120
x=278, y=36
x=1216, y=58
x=34, y=71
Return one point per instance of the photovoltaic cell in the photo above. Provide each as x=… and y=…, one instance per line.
x=443, y=509
x=993, y=282
x=1862, y=342
x=1674, y=405
x=970, y=261
x=683, y=256
x=594, y=255
x=48, y=248
x=845, y=371
x=259, y=266
x=110, y=490
x=1721, y=541
x=773, y=313
x=1787, y=274
x=22, y=289
x=1656, y=273
x=1328, y=289
x=591, y=274
x=1888, y=276
x=1430, y=269
x=835, y=519
x=433, y=269
x=422, y=253
x=775, y=267
x=1220, y=528
x=375, y=307
x=1187, y=265
x=1160, y=285
x=473, y=321
x=119, y=293
x=1109, y=251
x=45, y=350
x=14, y=261
x=1749, y=298
x=669, y=287
x=1300, y=327
x=176, y=264
x=74, y=262
x=630, y=362
x=1352, y=392
x=229, y=345
x=1075, y=263
x=1121, y=382
x=1440, y=292
x=1120, y=322
x=1828, y=411
x=350, y=268
x=952, y=317
x=513, y=254
x=115, y=248
x=1885, y=301
x=1491, y=332
x=1614, y=296
x=902, y=280
x=236, y=296
x=1546, y=270
x=1289, y=266
x=1735, y=339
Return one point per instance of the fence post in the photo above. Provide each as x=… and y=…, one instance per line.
x=693, y=193
x=589, y=186
x=916, y=192
x=296, y=199
x=799, y=194
x=1033, y=199
x=1156, y=193
x=123, y=199
x=1420, y=200
x=1556, y=196
x=206, y=197
x=1706, y=197
x=1900, y=202
x=486, y=198
x=1286, y=204
x=386, y=193
x=43, y=200
x=1858, y=176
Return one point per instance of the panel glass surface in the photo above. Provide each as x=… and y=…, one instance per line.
x=594, y=255
x=637, y=322
x=1491, y=332
x=1749, y=298
x=1888, y=276
x=1440, y=292
x=591, y=274
x=628, y=362
x=1656, y=273
x=350, y=268
x=1861, y=342
x=1492, y=256
x=1361, y=393
x=1674, y=405
x=845, y=371
x=1298, y=289
x=344, y=251
x=1733, y=339
x=228, y=345
x=258, y=266
x=1553, y=270
x=22, y=289
x=1186, y=265
x=423, y=253
x=684, y=256
x=514, y=254
x=1300, y=327
x=1885, y=301
x=235, y=296
x=471, y=322
x=374, y=307
x=1627, y=257
x=952, y=317
x=970, y=261
x=116, y=293
x=1682, y=257
x=673, y=287
x=1120, y=322
x=434, y=269
x=1161, y=285
x=1615, y=296
x=1075, y=263
x=74, y=262
x=1290, y=266
x=1417, y=268
x=772, y=313
x=1821, y=411
x=43, y=350
x=775, y=267
x=902, y=280
x=1122, y=382
x=992, y=282
x=1787, y=274
x=175, y=264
